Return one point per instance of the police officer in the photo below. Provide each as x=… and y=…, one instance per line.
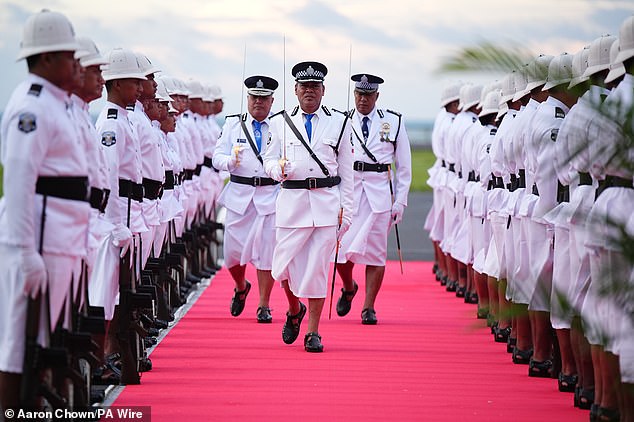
x=39, y=143
x=250, y=196
x=314, y=206
x=380, y=139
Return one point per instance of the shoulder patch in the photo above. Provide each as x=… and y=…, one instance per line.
x=325, y=109
x=232, y=115
x=113, y=113
x=244, y=117
x=396, y=113
x=559, y=113
x=553, y=134
x=380, y=113
x=295, y=110
x=35, y=90
x=26, y=122
x=130, y=107
x=493, y=131
x=108, y=139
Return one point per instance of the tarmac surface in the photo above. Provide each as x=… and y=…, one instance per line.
x=415, y=243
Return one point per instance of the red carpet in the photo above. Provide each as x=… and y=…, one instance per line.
x=427, y=359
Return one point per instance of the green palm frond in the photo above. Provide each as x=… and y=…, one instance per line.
x=486, y=57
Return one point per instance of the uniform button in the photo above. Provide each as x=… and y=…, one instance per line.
x=310, y=169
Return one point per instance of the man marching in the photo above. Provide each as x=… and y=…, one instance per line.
x=311, y=153
x=250, y=196
x=380, y=139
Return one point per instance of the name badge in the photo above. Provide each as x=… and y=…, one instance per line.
x=241, y=141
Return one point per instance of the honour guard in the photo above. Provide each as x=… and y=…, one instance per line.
x=380, y=140
x=44, y=212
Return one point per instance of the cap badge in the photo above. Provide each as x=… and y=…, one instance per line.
x=259, y=84
x=310, y=71
x=364, y=79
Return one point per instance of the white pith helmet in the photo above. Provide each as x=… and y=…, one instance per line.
x=47, y=32
x=122, y=64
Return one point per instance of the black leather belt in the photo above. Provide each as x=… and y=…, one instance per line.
x=253, y=181
x=498, y=182
x=99, y=198
x=534, y=190
x=128, y=188
x=452, y=168
x=585, y=179
x=188, y=174
x=377, y=167
x=74, y=188
x=197, y=170
x=152, y=189
x=208, y=163
x=522, y=178
x=443, y=164
x=312, y=183
x=515, y=183
x=563, y=193
x=170, y=180
x=613, y=182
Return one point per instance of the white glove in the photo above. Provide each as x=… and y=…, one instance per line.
x=346, y=221
x=34, y=269
x=121, y=238
x=397, y=212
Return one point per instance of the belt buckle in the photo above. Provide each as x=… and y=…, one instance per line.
x=312, y=183
x=257, y=181
x=361, y=166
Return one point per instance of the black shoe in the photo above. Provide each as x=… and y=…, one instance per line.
x=482, y=313
x=264, y=315
x=471, y=297
x=145, y=364
x=502, y=334
x=610, y=415
x=451, y=286
x=510, y=344
x=594, y=412
x=461, y=291
x=345, y=301
x=443, y=280
x=312, y=343
x=239, y=299
x=290, y=331
x=522, y=357
x=368, y=316
x=585, y=398
x=540, y=369
x=567, y=383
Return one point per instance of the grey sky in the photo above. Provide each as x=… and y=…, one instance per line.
x=404, y=41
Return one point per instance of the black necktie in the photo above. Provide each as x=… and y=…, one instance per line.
x=364, y=128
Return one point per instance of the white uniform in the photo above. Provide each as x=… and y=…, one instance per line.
x=39, y=139
x=250, y=221
x=306, y=219
x=440, y=180
x=366, y=241
x=540, y=149
x=123, y=154
x=613, y=209
x=153, y=172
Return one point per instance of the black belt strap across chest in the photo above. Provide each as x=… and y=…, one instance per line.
x=299, y=136
x=74, y=188
x=365, y=148
x=251, y=143
x=253, y=181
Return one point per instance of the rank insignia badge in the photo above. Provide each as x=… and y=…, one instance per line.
x=108, y=139
x=26, y=122
x=385, y=132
